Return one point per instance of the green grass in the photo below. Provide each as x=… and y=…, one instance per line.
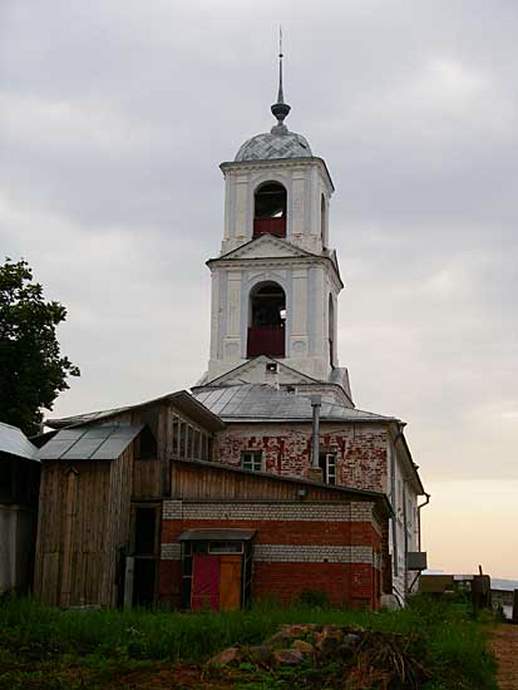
x=100, y=644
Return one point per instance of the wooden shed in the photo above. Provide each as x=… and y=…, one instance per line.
x=104, y=476
x=85, y=502
x=19, y=478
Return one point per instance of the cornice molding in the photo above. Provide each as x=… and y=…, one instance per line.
x=241, y=166
x=276, y=261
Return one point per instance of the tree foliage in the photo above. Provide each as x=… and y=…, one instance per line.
x=32, y=370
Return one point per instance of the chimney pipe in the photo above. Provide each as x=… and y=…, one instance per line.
x=316, y=403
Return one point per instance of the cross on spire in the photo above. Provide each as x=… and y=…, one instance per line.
x=280, y=109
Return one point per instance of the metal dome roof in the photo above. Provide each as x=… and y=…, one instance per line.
x=274, y=145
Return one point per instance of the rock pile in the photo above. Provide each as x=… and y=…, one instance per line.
x=351, y=655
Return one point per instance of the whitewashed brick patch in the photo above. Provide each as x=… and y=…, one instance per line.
x=289, y=553
x=170, y=552
x=314, y=512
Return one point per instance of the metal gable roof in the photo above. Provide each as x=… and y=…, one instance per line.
x=182, y=399
x=100, y=442
x=14, y=442
x=261, y=402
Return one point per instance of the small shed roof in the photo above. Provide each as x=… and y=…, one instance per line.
x=228, y=534
x=14, y=442
x=99, y=442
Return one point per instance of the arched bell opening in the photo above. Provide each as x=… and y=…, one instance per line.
x=270, y=203
x=331, y=331
x=267, y=320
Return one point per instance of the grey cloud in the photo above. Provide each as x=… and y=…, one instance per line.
x=115, y=116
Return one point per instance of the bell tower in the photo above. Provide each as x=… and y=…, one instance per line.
x=275, y=283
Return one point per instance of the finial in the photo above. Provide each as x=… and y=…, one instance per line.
x=280, y=109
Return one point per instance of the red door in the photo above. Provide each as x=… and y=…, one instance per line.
x=205, y=582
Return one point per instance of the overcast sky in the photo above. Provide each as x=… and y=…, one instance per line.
x=114, y=116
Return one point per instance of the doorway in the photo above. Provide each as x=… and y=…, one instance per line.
x=216, y=574
x=146, y=525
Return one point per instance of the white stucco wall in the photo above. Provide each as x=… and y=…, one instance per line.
x=307, y=286
x=403, y=498
x=305, y=182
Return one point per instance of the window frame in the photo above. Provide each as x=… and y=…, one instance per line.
x=254, y=455
x=328, y=465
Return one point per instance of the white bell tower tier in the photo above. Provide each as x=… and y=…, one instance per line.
x=276, y=282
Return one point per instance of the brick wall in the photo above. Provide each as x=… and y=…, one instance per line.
x=345, y=584
x=298, y=546
x=361, y=450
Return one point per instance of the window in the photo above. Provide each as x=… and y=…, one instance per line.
x=327, y=464
x=223, y=547
x=181, y=440
x=175, y=435
x=252, y=460
x=146, y=445
x=190, y=441
x=205, y=447
x=196, y=444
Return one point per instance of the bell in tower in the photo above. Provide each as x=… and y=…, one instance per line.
x=275, y=283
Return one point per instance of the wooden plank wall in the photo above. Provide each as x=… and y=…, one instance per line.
x=152, y=477
x=118, y=518
x=190, y=482
x=84, y=519
x=49, y=544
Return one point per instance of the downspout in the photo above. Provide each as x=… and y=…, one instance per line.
x=419, y=507
x=405, y=540
x=394, y=517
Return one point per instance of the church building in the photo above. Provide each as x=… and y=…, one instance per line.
x=265, y=480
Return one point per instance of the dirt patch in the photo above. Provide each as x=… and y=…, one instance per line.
x=504, y=643
x=172, y=677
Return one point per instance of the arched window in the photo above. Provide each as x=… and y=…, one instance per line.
x=270, y=210
x=267, y=318
x=331, y=330
x=323, y=219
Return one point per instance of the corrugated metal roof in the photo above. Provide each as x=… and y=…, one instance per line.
x=184, y=400
x=100, y=442
x=261, y=402
x=217, y=535
x=14, y=442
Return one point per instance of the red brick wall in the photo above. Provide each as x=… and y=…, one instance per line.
x=346, y=584
x=354, y=584
x=361, y=450
x=170, y=583
x=286, y=532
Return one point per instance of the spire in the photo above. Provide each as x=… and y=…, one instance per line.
x=280, y=109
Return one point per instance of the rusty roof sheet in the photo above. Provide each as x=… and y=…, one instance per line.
x=99, y=442
x=261, y=403
x=14, y=442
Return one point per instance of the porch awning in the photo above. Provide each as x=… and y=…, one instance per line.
x=217, y=535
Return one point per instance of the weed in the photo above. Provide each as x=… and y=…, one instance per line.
x=87, y=648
